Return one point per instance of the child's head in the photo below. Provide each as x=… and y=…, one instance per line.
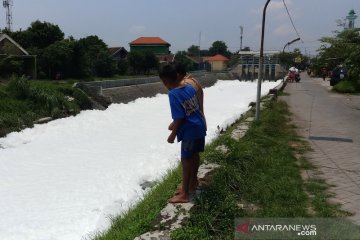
x=181, y=70
x=168, y=76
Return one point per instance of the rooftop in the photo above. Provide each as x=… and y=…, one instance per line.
x=149, y=41
x=114, y=50
x=217, y=57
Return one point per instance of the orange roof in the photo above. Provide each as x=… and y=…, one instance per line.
x=149, y=41
x=217, y=57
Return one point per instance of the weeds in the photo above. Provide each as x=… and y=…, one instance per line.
x=23, y=101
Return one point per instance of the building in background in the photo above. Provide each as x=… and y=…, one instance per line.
x=118, y=53
x=350, y=20
x=10, y=52
x=156, y=45
x=248, y=67
x=218, y=62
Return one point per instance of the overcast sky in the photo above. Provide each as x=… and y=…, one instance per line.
x=118, y=22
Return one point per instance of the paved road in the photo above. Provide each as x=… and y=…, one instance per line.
x=331, y=122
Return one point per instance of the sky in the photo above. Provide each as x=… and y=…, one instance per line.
x=118, y=22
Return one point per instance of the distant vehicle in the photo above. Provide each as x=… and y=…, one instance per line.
x=337, y=74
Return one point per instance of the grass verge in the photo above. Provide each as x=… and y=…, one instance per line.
x=347, y=87
x=22, y=102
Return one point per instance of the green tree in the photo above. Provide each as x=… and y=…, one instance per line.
x=122, y=66
x=10, y=66
x=39, y=35
x=96, y=58
x=142, y=62
x=136, y=61
x=57, y=58
x=337, y=50
x=182, y=57
x=193, y=50
x=150, y=62
x=287, y=59
x=219, y=47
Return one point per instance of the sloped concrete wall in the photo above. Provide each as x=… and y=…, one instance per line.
x=124, y=91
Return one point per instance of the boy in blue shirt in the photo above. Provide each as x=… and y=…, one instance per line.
x=188, y=126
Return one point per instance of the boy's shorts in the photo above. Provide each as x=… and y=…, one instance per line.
x=189, y=147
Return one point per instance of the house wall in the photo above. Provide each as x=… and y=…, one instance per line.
x=218, y=66
x=157, y=49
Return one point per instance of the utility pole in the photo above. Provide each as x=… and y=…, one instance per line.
x=200, y=51
x=289, y=43
x=241, y=37
x=261, y=64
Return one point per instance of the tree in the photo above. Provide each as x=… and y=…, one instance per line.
x=39, y=35
x=142, y=62
x=136, y=59
x=57, y=58
x=287, y=59
x=181, y=57
x=122, y=66
x=96, y=57
x=150, y=62
x=219, y=47
x=10, y=66
x=246, y=49
x=336, y=50
x=193, y=50
x=81, y=58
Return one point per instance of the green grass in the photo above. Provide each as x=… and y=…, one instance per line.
x=22, y=102
x=138, y=219
x=347, y=87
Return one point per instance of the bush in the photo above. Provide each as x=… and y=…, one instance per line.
x=122, y=67
x=82, y=99
x=19, y=87
x=23, y=101
x=347, y=87
x=14, y=114
x=9, y=66
x=47, y=97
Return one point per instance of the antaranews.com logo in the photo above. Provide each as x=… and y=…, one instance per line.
x=296, y=228
x=300, y=230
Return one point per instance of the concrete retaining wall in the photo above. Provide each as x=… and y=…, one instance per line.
x=127, y=90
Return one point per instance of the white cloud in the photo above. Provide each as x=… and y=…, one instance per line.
x=274, y=6
x=283, y=30
x=137, y=29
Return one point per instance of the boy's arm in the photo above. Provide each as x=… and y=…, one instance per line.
x=176, y=125
x=201, y=99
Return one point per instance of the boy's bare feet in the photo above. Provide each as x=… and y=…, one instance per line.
x=192, y=188
x=181, y=198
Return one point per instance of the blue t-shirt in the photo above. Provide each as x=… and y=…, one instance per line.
x=184, y=104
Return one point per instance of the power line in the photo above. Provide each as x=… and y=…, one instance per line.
x=292, y=22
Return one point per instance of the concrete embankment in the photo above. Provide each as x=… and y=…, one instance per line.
x=127, y=90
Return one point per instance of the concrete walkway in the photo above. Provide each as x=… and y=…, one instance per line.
x=331, y=123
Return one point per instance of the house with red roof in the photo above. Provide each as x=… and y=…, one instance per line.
x=218, y=62
x=156, y=45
